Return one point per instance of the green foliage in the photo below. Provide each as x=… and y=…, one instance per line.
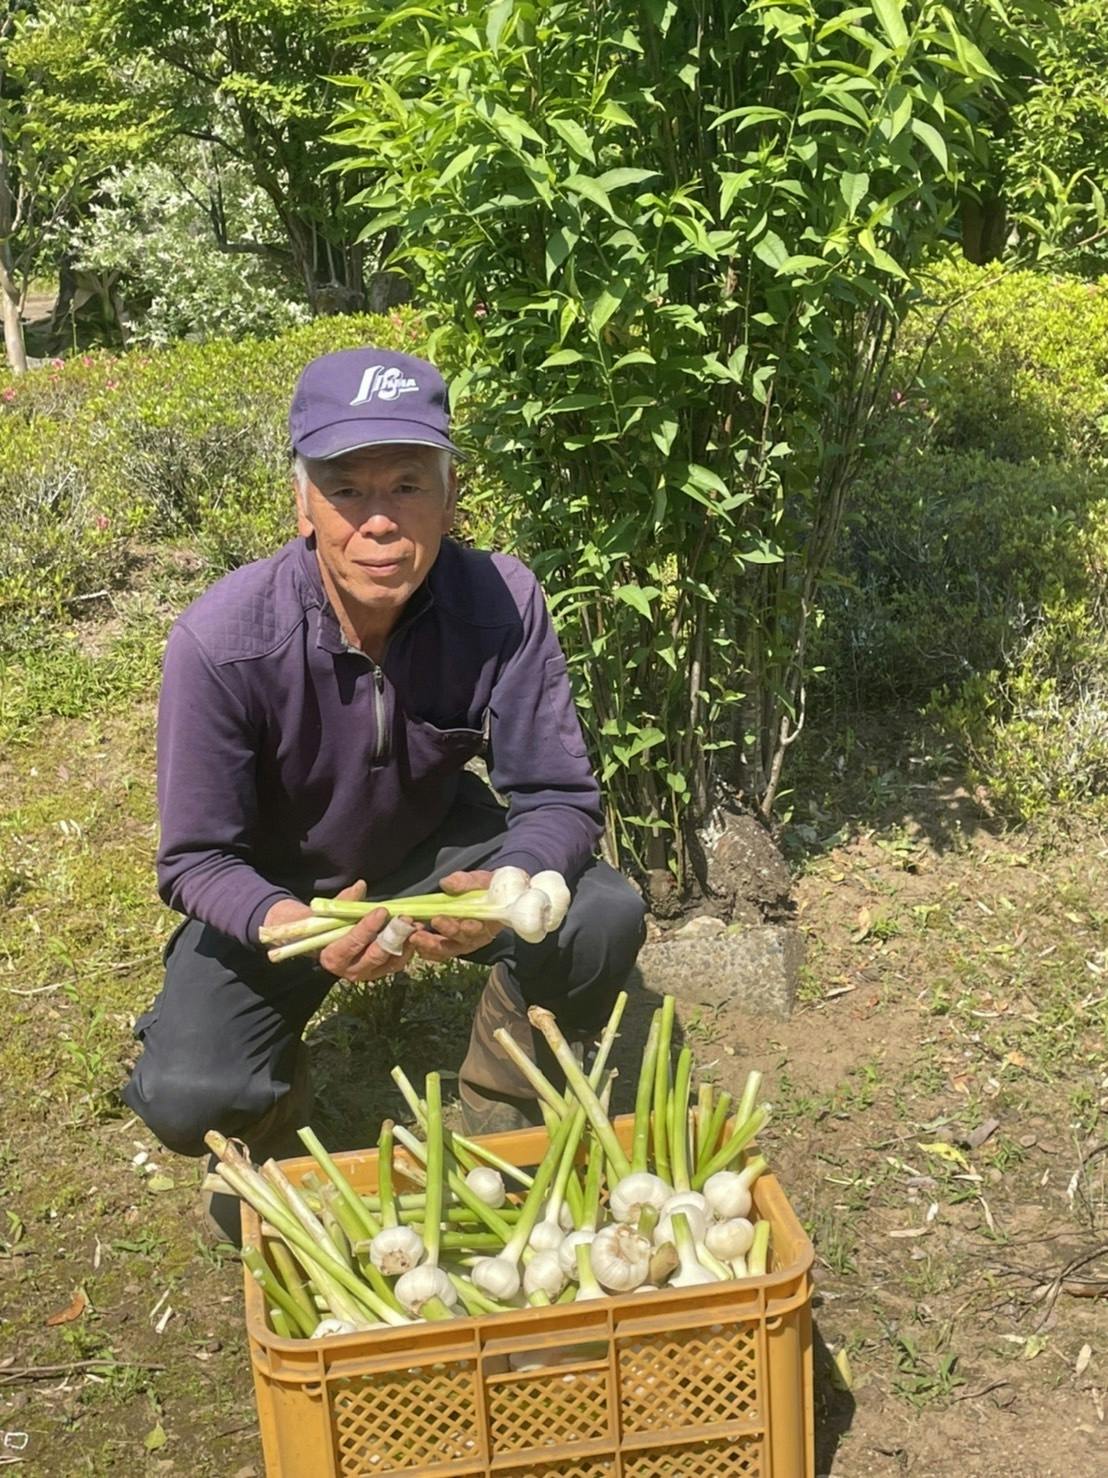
x=1055, y=169
x=975, y=564
x=948, y=561
x=672, y=243
x=189, y=442
x=1016, y=365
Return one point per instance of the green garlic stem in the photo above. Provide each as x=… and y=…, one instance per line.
x=306, y=946
x=640, y=1143
x=389, y=1214
x=288, y=1271
x=751, y=1089
x=586, y=1278
x=311, y=1143
x=432, y=1226
x=710, y=1138
x=544, y=1088
x=757, y=1257
x=445, y=903
x=280, y=1322
x=661, y=1090
x=295, y=929
x=276, y=1293
x=679, y=1131
x=730, y=1150
x=457, y=1142
x=532, y=1206
x=607, y=1042
x=580, y=1086
x=473, y=1300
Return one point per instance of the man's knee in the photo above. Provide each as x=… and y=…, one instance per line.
x=180, y=1107
x=613, y=921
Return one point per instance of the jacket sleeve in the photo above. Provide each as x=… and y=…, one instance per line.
x=207, y=797
x=538, y=759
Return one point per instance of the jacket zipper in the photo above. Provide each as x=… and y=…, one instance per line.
x=381, y=738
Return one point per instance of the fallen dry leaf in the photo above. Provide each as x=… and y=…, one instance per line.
x=73, y=1310
x=1083, y=1358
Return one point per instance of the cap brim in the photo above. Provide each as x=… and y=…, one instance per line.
x=352, y=436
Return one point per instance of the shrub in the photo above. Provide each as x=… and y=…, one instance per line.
x=1016, y=365
x=949, y=559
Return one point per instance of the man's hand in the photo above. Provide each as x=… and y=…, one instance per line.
x=454, y=937
x=356, y=956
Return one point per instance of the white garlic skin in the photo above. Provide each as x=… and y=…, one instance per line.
x=729, y=1239
x=620, y=1258
x=553, y=884
x=487, y=1185
x=636, y=1191
x=567, y=1252
x=544, y=1274
x=545, y=1237
x=698, y=1225
x=415, y=1288
x=506, y=885
x=396, y=1250
x=728, y=1195
x=498, y=1277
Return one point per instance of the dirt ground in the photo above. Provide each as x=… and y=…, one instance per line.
x=939, y=1122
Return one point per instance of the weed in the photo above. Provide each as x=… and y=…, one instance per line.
x=923, y=1377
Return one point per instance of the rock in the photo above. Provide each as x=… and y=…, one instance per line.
x=753, y=969
x=746, y=870
x=702, y=927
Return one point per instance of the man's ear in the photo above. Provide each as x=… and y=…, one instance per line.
x=303, y=522
x=450, y=507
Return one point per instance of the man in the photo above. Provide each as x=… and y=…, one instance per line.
x=317, y=712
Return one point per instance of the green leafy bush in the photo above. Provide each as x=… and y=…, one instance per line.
x=948, y=561
x=1016, y=365
x=974, y=569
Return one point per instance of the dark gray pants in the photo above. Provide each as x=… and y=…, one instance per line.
x=221, y=1040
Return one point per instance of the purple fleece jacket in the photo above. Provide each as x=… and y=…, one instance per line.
x=290, y=764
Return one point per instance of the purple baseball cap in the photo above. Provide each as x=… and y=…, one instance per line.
x=354, y=398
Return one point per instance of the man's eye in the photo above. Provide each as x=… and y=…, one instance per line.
x=409, y=487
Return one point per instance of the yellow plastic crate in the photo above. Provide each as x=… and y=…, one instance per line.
x=707, y=1382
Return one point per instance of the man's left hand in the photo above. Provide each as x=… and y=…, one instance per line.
x=453, y=937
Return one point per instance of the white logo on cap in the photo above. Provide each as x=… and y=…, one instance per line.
x=381, y=382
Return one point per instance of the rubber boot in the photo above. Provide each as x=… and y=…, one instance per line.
x=272, y=1137
x=495, y=1095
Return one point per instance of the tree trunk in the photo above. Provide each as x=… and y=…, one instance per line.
x=11, y=306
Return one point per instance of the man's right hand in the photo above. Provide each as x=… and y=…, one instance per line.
x=357, y=955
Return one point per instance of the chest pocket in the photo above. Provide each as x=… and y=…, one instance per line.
x=430, y=753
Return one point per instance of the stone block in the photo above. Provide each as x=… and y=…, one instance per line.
x=754, y=969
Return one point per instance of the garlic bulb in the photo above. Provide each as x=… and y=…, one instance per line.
x=680, y=1199
x=420, y=1285
x=396, y=1250
x=620, y=1258
x=730, y=1239
x=529, y=915
x=487, y=1185
x=663, y=1232
x=506, y=885
x=636, y=1191
x=728, y=1194
x=691, y=1272
x=567, y=1253
x=546, y=1237
x=553, y=884
x=498, y=1277
x=335, y=1326
x=543, y=1274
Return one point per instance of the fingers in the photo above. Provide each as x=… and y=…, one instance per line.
x=465, y=882
x=358, y=950
x=452, y=938
x=355, y=893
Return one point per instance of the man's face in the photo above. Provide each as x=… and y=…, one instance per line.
x=379, y=516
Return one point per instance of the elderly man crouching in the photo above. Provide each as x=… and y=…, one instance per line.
x=317, y=712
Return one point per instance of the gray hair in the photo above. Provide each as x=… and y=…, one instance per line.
x=301, y=476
